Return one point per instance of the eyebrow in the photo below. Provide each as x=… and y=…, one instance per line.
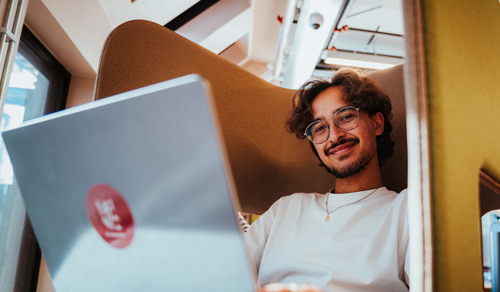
x=333, y=113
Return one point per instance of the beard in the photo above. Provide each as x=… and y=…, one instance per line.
x=353, y=168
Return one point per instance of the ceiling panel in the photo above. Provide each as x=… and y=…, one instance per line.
x=381, y=15
x=159, y=11
x=368, y=42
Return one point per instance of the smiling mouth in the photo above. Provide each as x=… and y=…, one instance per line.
x=342, y=147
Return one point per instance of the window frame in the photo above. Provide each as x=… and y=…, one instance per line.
x=29, y=257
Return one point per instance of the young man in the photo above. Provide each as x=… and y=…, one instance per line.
x=354, y=237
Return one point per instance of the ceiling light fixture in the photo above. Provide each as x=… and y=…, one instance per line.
x=357, y=63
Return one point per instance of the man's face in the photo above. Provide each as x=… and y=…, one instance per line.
x=346, y=152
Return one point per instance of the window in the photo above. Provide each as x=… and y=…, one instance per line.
x=38, y=85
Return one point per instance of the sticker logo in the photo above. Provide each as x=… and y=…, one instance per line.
x=110, y=215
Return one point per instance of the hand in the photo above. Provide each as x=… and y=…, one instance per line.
x=279, y=287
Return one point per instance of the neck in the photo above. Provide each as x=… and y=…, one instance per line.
x=367, y=179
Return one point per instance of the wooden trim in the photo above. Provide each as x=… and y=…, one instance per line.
x=489, y=193
x=489, y=182
x=419, y=164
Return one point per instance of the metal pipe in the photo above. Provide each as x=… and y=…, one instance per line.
x=342, y=15
x=10, y=41
x=376, y=32
x=5, y=27
x=284, y=34
x=14, y=14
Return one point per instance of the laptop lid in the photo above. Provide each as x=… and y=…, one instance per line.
x=133, y=193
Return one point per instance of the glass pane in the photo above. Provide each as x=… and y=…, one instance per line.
x=26, y=98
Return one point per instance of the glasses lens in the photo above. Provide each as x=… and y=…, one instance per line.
x=317, y=132
x=347, y=118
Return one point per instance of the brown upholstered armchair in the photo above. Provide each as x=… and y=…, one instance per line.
x=267, y=162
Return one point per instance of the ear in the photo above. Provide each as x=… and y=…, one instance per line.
x=378, y=122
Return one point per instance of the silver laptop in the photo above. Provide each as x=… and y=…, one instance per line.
x=134, y=193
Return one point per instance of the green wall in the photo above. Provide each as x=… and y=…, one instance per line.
x=462, y=47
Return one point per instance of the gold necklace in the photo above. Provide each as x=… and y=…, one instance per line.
x=327, y=218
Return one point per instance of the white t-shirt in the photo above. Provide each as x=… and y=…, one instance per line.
x=363, y=247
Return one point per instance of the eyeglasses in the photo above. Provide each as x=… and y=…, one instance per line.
x=346, y=118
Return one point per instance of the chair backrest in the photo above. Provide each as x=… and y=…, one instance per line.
x=395, y=170
x=267, y=162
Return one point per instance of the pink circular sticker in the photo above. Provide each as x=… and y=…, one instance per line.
x=110, y=215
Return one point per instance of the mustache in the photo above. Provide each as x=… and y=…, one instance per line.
x=340, y=142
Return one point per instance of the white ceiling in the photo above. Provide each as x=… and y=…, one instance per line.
x=369, y=14
x=247, y=32
x=384, y=16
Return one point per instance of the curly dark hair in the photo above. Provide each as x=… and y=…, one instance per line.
x=358, y=90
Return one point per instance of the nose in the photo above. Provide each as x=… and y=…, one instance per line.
x=336, y=133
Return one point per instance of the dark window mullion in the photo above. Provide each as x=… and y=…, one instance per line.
x=59, y=78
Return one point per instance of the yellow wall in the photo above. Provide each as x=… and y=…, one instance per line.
x=463, y=58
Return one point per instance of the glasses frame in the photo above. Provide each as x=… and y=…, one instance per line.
x=334, y=121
